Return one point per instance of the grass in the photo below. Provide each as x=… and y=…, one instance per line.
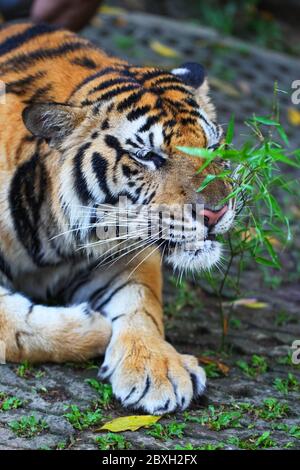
x=257, y=366
x=217, y=419
x=111, y=441
x=167, y=431
x=83, y=419
x=103, y=390
x=185, y=297
x=28, y=426
x=26, y=371
x=206, y=446
x=290, y=384
x=264, y=441
x=8, y=402
x=272, y=409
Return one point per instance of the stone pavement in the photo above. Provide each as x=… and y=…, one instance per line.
x=238, y=399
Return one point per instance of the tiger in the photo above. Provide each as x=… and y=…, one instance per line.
x=80, y=129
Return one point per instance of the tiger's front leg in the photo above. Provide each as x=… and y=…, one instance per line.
x=145, y=371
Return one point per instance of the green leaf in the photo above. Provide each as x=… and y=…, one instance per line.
x=207, y=180
x=283, y=135
x=264, y=120
x=266, y=262
x=230, y=131
x=198, y=152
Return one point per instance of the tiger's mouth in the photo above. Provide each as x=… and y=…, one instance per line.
x=193, y=255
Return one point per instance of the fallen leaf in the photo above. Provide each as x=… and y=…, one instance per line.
x=107, y=10
x=129, y=423
x=274, y=242
x=163, y=50
x=225, y=87
x=294, y=116
x=222, y=367
x=249, y=303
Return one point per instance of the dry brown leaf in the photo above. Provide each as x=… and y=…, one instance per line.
x=274, y=242
x=221, y=366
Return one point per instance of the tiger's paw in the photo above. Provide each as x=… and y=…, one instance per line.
x=148, y=373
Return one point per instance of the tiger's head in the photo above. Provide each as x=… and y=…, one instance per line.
x=120, y=134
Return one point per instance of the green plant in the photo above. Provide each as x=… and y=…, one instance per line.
x=253, y=442
x=185, y=297
x=264, y=230
x=217, y=418
x=287, y=361
x=83, y=419
x=206, y=446
x=258, y=365
x=272, y=409
x=167, y=431
x=290, y=384
x=104, y=391
x=111, y=441
x=28, y=426
x=212, y=371
x=26, y=371
x=8, y=402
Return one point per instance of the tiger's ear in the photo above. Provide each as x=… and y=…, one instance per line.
x=191, y=73
x=51, y=121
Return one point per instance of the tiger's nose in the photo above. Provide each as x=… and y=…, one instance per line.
x=212, y=217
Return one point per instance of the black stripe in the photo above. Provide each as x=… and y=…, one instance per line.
x=20, y=86
x=5, y=268
x=130, y=100
x=154, y=74
x=94, y=76
x=85, y=62
x=149, y=123
x=138, y=112
x=151, y=139
x=101, y=290
x=160, y=90
x=114, y=292
x=117, y=317
x=80, y=184
x=167, y=79
x=24, y=61
x=40, y=94
x=133, y=144
x=111, y=82
x=113, y=143
x=27, y=194
x=111, y=94
x=153, y=319
x=18, y=40
x=100, y=165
